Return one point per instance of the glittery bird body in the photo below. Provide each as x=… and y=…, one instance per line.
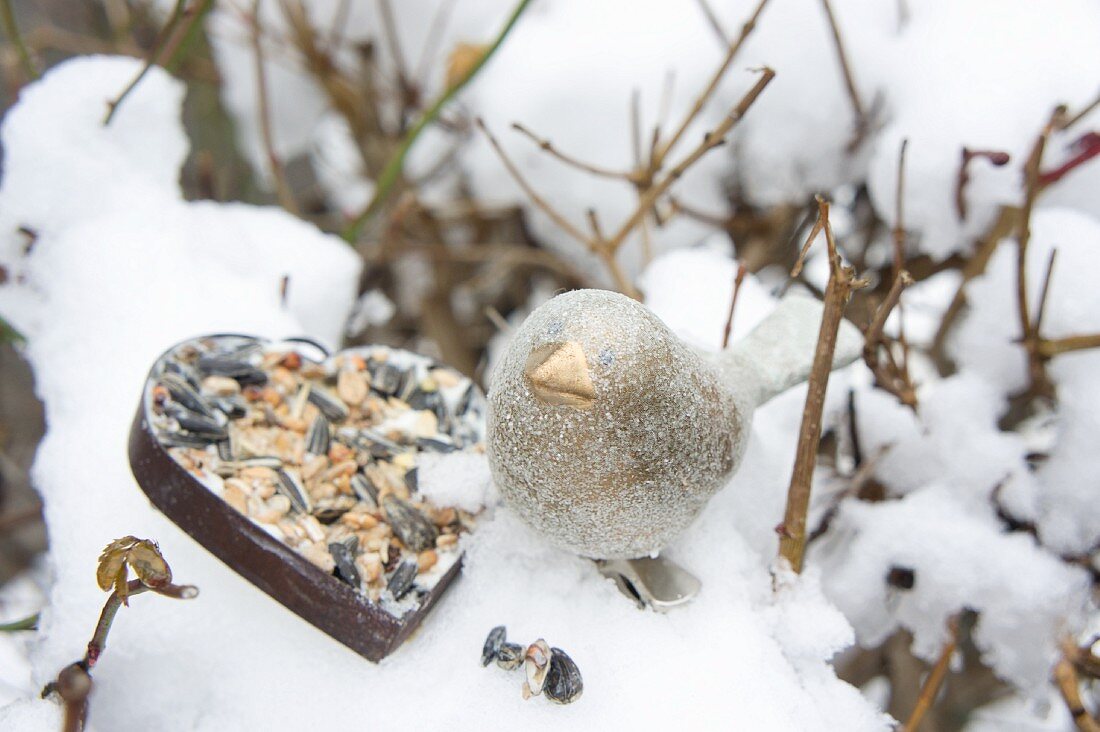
x=608, y=434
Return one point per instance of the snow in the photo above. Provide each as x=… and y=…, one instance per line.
x=458, y=479
x=107, y=290
x=965, y=562
x=1066, y=515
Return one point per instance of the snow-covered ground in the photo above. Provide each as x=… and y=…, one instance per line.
x=122, y=267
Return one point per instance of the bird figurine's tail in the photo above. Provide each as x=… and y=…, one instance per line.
x=779, y=352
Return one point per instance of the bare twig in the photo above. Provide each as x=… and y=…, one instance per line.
x=563, y=223
x=282, y=188
x=11, y=30
x=738, y=278
x=169, y=41
x=1066, y=679
x=1040, y=384
x=661, y=152
x=1057, y=346
x=392, y=172
x=436, y=26
x=934, y=680
x=711, y=140
x=547, y=146
x=899, y=211
x=997, y=158
x=389, y=26
x=636, y=127
x=975, y=266
x=842, y=282
x=1041, y=311
x=606, y=248
x=714, y=22
x=862, y=124
x=890, y=376
x=1085, y=111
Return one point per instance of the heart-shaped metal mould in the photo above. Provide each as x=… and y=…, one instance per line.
x=270, y=453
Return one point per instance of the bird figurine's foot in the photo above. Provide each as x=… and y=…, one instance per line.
x=654, y=582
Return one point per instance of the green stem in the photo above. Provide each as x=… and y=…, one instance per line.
x=9, y=334
x=7, y=17
x=27, y=623
x=392, y=172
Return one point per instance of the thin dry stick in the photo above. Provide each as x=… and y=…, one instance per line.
x=563, y=223
x=714, y=22
x=891, y=376
x=169, y=41
x=1040, y=384
x=1002, y=227
x=1065, y=678
x=998, y=158
x=1049, y=348
x=661, y=152
x=1082, y=114
x=432, y=40
x=548, y=147
x=711, y=140
x=842, y=282
x=899, y=208
x=849, y=81
x=282, y=188
x=390, y=27
x=878, y=322
x=934, y=680
x=1041, y=310
x=738, y=278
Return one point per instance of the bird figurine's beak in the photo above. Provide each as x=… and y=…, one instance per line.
x=558, y=374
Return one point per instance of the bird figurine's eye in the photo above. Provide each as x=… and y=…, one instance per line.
x=606, y=357
x=553, y=330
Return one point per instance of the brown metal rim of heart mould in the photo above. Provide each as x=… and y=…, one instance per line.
x=298, y=470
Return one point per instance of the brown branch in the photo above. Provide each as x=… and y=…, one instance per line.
x=1044, y=291
x=998, y=158
x=890, y=376
x=1070, y=122
x=934, y=680
x=898, y=232
x=711, y=140
x=404, y=81
x=975, y=266
x=738, y=278
x=842, y=282
x=715, y=220
x=436, y=26
x=282, y=189
x=1065, y=678
x=1040, y=384
x=547, y=146
x=167, y=43
x=862, y=123
x=563, y=223
x=1057, y=346
x=661, y=152
x=714, y=22
x=606, y=248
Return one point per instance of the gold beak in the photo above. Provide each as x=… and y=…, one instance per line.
x=558, y=374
